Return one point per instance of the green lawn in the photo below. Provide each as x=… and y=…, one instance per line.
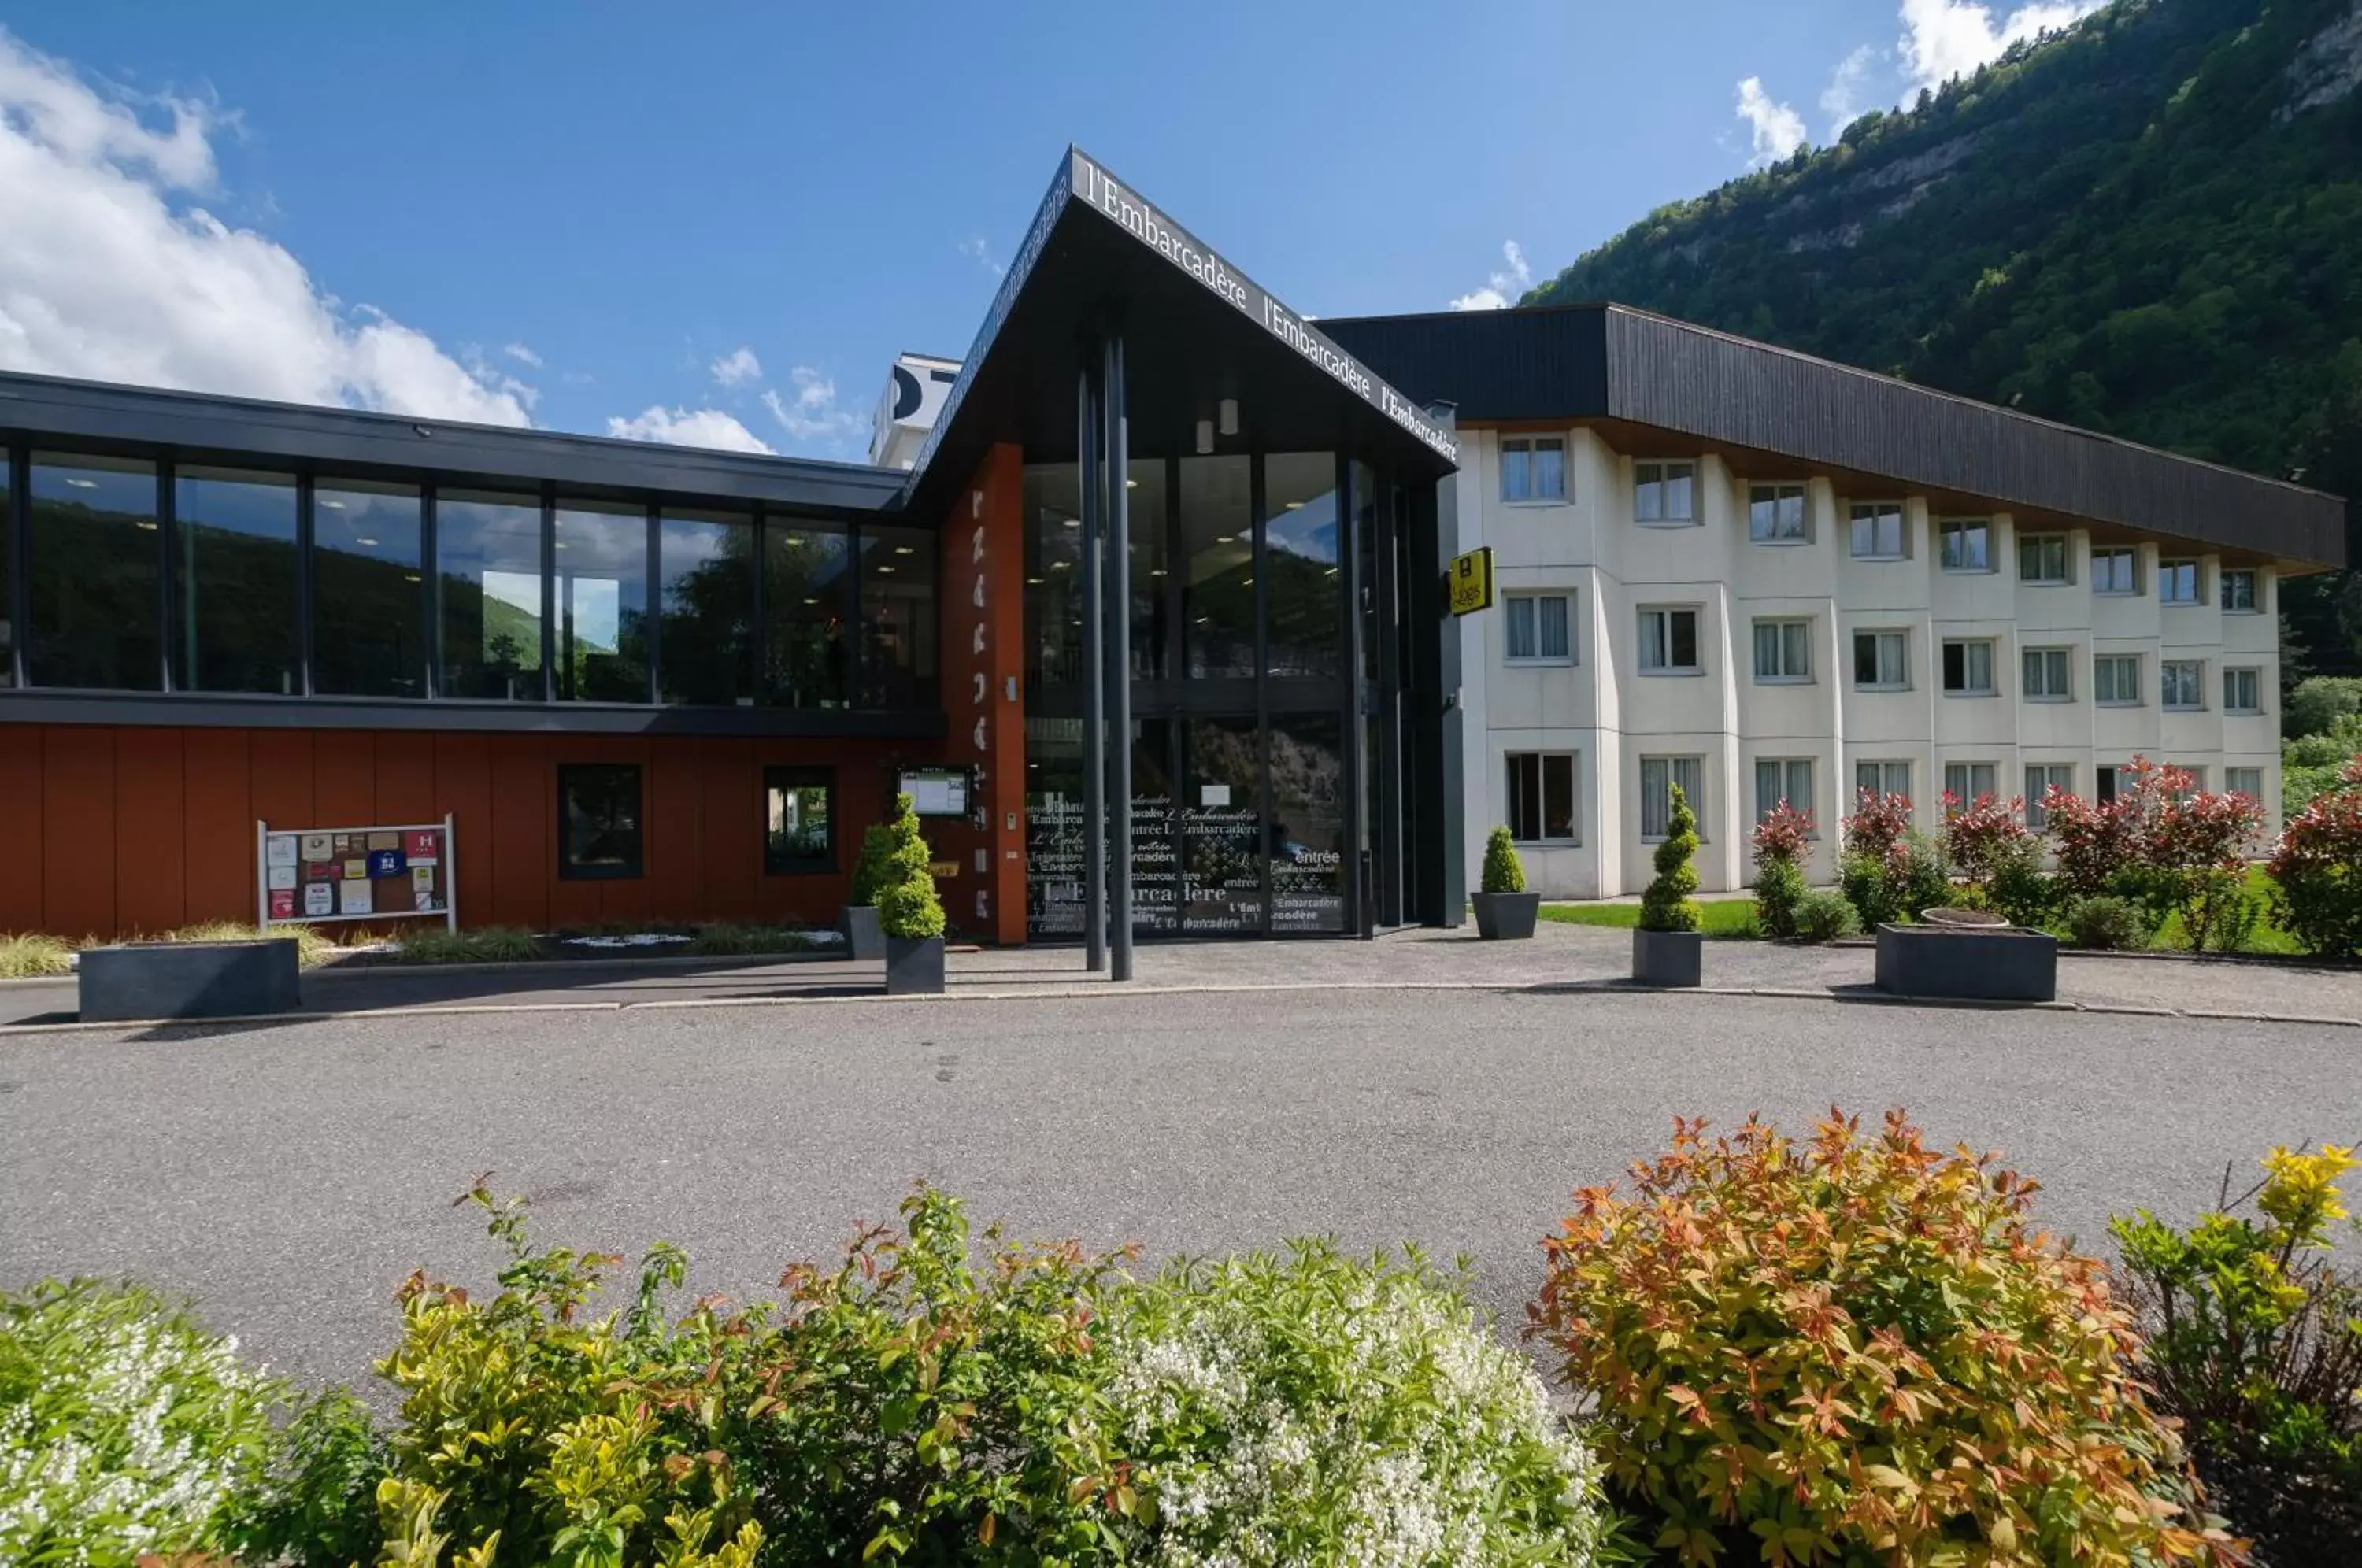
x=1722, y=918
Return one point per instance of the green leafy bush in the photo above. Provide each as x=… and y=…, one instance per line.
x=1666, y=904
x=2105, y=923
x=475, y=944
x=2021, y=889
x=1867, y=884
x=1826, y=916
x=907, y=905
x=313, y=1504
x=2316, y=870
x=1780, y=891
x=1320, y=1410
x=124, y=1427
x=728, y=938
x=1504, y=873
x=1861, y=1351
x=2255, y=1341
x=873, y=867
x=2317, y=703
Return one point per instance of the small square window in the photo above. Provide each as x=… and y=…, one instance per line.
x=2042, y=558
x=2177, y=583
x=1664, y=492
x=1782, y=780
x=2116, y=570
x=2181, y=684
x=1775, y=513
x=2243, y=692
x=1783, y=651
x=1668, y=642
x=799, y=820
x=1967, y=545
x=1969, y=667
x=1541, y=797
x=1658, y=776
x=2041, y=778
x=1877, y=530
x=2047, y=675
x=1882, y=778
x=2115, y=679
x=1880, y=661
x=1966, y=783
x=598, y=821
x=2239, y=592
x=1533, y=467
x=2248, y=781
x=1539, y=629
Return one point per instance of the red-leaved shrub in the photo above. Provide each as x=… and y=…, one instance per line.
x=2316, y=870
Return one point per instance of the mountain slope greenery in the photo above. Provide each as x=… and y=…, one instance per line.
x=2148, y=225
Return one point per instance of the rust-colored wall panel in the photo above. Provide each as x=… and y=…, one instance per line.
x=78, y=820
x=525, y=811
x=282, y=779
x=463, y=789
x=216, y=826
x=732, y=837
x=148, y=830
x=675, y=804
x=21, y=837
x=343, y=779
x=405, y=778
x=982, y=604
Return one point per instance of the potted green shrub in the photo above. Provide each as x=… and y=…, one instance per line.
x=1667, y=949
x=1504, y=911
x=909, y=913
x=858, y=920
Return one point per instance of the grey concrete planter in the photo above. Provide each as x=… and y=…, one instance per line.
x=1506, y=917
x=188, y=979
x=863, y=939
x=914, y=965
x=1971, y=963
x=1668, y=958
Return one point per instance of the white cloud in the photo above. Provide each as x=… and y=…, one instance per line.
x=1778, y=130
x=125, y=278
x=1944, y=38
x=686, y=427
x=1504, y=288
x=811, y=415
x=979, y=252
x=1844, y=100
x=523, y=355
x=738, y=367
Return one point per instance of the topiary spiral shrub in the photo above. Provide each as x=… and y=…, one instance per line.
x=1504, y=873
x=907, y=905
x=1860, y=1350
x=1667, y=904
x=872, y=868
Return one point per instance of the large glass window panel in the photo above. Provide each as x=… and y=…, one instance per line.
x=1306, y=835
x=233, y=585
x=705, y=645
x=488, y=578
x=1302, y=593
x=8, y=573
x=1151, y=551
x=602, y=601
x=807, y=610
x=898, y=616
x=368, y=616
x=94, y=574
x=1218, y=635
x=1155, y=814
x=1054, y=579
x=1220, y=808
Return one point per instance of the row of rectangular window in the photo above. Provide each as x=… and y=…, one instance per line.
x=1542, y=795
x=601, y=815
x=142, y=576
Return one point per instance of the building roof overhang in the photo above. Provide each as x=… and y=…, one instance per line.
x=1667, y=387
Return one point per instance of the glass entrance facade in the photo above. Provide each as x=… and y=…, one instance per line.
x=1244, y=753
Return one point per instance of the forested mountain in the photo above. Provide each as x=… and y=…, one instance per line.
x=2149, y=224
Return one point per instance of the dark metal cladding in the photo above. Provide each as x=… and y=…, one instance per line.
x=1614, y=362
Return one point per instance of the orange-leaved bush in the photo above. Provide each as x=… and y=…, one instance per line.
x=1858, y=1350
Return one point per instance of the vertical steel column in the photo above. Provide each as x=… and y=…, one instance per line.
x=167, y=545
x=304, y=586
x=430, y=587
x=20, y=565
x=548, y=593
x=1091, y=472
x=1118, y=462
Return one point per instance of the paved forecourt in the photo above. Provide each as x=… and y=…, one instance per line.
x=289, y=1176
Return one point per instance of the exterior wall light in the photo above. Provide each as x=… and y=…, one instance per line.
x=1205, y=436
x=1229, y=408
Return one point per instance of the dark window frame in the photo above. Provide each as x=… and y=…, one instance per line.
x=630, y=869
x=802, y=777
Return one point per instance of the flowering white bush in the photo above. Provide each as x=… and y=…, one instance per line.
x=123, y=1425
x=1320, y=1409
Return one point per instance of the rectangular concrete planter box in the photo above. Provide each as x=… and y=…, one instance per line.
x=914, y=965
x=1987, y=963
x=1668, y=958
x=863, y=939
x=188, y=979
x=1506, y=917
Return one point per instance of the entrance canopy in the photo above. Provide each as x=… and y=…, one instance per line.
x=1101, y=261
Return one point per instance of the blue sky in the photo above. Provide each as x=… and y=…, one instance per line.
x=718, y=223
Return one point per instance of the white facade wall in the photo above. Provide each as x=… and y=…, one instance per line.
x=1601, y=708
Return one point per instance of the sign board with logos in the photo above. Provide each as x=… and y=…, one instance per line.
x=1470, y=580
x=938, y=792
x=319, y=876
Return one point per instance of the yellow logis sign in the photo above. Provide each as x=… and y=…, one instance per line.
x=1472, y=582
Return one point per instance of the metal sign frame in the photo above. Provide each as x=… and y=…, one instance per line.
x=1468, y=586
x=448, y=860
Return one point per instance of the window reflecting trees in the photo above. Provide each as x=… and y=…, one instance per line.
x=369, y=607
x=1300, y=531
x=235, y=581
x=98, y=569
x=601, y=559
x=488, y=575
x=898, y=616
x=808, y=608
x=704, y=651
